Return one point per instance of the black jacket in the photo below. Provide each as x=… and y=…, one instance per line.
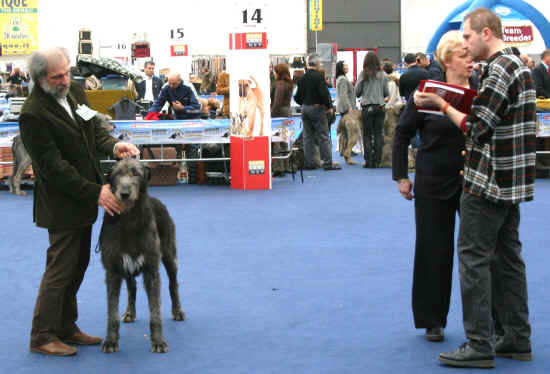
x=63, y=150
x=410, y=79
x=542, y=80
x=312, y=89
x=157, y=86
x=435, y=71
x=440, y=156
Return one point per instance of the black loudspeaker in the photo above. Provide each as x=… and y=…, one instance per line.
x=85, y=34
x=85, y=47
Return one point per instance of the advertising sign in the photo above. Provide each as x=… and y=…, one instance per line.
x=316, y=15
x=518, y=34
x=248, y=67
x=19, y=27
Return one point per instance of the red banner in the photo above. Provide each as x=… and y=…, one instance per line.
x=518, y=34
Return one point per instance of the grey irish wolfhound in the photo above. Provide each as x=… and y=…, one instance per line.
x=135, y=242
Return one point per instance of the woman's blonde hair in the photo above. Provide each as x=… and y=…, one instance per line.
x=447, y=47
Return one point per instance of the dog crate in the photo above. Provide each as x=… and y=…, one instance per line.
x=163, y=175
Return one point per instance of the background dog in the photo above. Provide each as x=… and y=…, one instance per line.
x=349, y=131
x=250, y=100
x=133, y=243
x=390, y=122
x=22, y=159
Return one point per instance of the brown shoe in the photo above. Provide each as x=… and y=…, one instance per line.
x=81, y=338
x=55, y=348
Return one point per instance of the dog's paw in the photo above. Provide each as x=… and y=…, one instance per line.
x=128, y=317
x=179, y=315
x=20, y=193
x=109, y=346
x=159, y=346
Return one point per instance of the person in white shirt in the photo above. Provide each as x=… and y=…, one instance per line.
x=149, y=88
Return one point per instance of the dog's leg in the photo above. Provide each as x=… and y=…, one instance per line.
x=172, y=270
x=261, y=110
x=113, y=281
x=251, y=120
x=21, y=161
x=151, y=281
x=130, y=314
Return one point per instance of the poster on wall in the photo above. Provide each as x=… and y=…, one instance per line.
x=19, y=27
x=248, y=67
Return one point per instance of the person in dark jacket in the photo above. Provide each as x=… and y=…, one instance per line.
x=313, y=95
x=149, y=88
x=433, y=67
x=410, y=79
x=63, y=139
x=181, y=98
x=437, y=190
x=541, y=74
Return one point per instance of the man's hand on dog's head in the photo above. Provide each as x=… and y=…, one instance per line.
x=124, y=150
x=108, y=201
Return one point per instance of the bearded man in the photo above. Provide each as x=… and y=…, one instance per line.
x=63, y=137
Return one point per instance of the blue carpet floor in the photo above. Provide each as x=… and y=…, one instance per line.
x=306, y=278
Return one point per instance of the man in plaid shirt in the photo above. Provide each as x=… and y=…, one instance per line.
x=499, y=174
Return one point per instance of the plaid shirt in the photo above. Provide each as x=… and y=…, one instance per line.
x=501, y=140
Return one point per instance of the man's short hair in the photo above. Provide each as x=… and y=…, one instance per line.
x=313, y=60
x=544, y=53
x=387, y=67
x=147, y=63
x=420, y=56
x=410, y=58
x=483, y=17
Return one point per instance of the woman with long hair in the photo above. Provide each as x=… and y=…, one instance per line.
x=345, y=98
x=282, y=91
x=437, y=189
x=372, y=88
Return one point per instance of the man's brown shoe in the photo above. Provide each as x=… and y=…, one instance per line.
x=81, y=338
x=55, y=348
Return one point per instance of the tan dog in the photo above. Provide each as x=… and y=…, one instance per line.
x=204, y=105
x=390, y=122
x=349, y=133
x=250, y=100
x=213, y=104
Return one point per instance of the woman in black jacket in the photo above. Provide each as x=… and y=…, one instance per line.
x=438, y=186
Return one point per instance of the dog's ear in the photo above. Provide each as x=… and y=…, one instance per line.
x=147, y=171
x=109, y=176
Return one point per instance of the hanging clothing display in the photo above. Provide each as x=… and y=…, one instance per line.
x=124, y=109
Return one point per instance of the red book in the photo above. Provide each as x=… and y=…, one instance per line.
x=461, y=98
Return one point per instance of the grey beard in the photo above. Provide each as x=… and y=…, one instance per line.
x=58, y=92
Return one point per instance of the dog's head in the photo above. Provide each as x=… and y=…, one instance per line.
x=213, y=104
x=244, y=86
x=128, y=180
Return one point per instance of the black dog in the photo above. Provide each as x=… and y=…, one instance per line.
x=134, y=242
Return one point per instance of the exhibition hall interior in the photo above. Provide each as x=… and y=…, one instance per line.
x=249, y=186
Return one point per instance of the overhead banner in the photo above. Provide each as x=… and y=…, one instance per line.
x=19, y=20
x=316, y=15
